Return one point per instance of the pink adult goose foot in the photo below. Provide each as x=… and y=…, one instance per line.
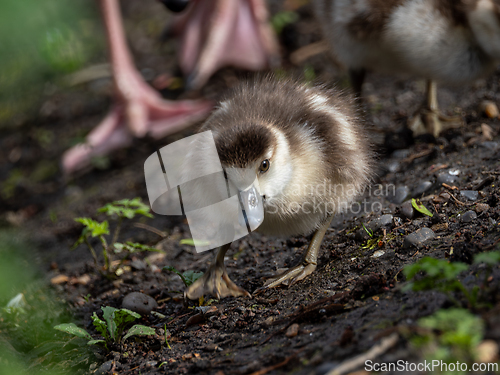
x=218, y=33
x=138, y=110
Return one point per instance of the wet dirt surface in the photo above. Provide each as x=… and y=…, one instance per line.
x=353, y=300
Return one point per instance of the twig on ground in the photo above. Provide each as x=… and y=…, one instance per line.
x=358, y=361
x=302, y=54
x=151, y=229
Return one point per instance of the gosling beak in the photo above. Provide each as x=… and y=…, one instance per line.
x=253, y=206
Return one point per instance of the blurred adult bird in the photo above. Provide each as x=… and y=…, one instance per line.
x=218, y=33
x=138, y=109
x=214, y=33
x=452, y=41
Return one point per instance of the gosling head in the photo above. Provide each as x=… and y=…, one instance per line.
x=291, y=138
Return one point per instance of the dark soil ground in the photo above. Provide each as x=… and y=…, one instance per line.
x=352, y=303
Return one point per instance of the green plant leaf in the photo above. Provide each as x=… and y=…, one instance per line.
x=107, y=313
x=97, y=342
x=191, y=242
x=126, y=208
x=93, y=227
x=369, y=231
x=139, y=330
x=73, y=329
x=438, y=274
x=491, y=258
x=122, y=318
x=173, y=269
x=417, y=205
x=191, y=276
x=100, y=326
x=188, y=277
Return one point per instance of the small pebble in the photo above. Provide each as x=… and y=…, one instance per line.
x=489, y=108
x=139, y=302
x=469, y=194
x=422, y=188
x=400, y=195
x=138, y=264
x=439, y=227
x=481, y=207
x=392, y=166
x=446, y=178
x=441, y=198
x=385, y=220
x=105, y=368
x=292, y=331
x=401, y=154
x=378, y=253
x=493, y=146
x=468, y=216
x=406, y=210
x=419, y=237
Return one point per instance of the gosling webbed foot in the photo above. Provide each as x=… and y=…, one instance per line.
x=289, y=277
x=215, y=282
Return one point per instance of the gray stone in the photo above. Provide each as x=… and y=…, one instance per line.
x=422, y=188
x=385, y=220
x=468, y=217
x=392, y=166
x=446, y=178
x=138, y=264
x=490, y=145
x=469, y=194
x=139, y=302
x=400, y=195
x=406, y=210
x=105, y=368
x=401, y=154
x=418, y=237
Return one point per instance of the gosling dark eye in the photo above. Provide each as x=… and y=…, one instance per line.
x=175, y=6
x=264, y=166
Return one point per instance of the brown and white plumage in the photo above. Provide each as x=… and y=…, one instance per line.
x=319, y=159
x=452, y=41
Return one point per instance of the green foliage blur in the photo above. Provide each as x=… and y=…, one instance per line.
x=29, y=309
x=40, y=42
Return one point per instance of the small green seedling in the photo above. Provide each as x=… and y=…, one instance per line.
x=126, y=209
x=450, y=335
x=119, y=210
x=439, y=275
x=491, y=258
x=442, y=275
x=417, y=205
x=368, y=231
x=111, y=328
x=188, y=277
